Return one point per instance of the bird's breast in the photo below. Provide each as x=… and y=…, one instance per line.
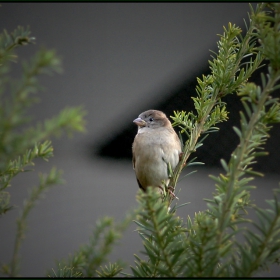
x=152, y=152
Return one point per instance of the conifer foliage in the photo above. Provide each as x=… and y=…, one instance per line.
x=207, y=245
x=20, y=142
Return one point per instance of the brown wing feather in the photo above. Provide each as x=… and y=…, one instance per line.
x=133, y=163
x=140, y=186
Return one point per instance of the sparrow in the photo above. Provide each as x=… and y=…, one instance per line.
x=155, y=146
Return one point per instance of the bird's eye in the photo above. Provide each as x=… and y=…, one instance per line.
x=151, y=119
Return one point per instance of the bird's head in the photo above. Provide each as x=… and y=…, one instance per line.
x=152, y=119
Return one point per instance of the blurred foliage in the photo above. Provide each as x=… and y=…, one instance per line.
x=20, y=142
x=89, y=258
x=65, y=272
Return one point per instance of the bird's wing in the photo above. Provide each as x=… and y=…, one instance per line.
x=140, y=186
x=133, y=160
x=171, y=154
x=133, y=164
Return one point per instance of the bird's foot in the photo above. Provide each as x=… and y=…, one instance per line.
x=170, y=189
x=180, y=156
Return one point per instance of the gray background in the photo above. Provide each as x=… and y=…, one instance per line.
x=116, y=57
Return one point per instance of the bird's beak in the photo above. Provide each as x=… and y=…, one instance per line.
x=140, y=122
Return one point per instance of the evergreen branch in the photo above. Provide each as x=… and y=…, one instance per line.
x=263, y=248
x=159, y=234
x=65, y=272
x=44, y=150
x=243, y=156
x=233, y=193
x=205, y=258
x=44, y=62
x=19, y=37
x=68, y=121
x=163, y=238
x=19, y=147
x=252, y=135
x=46, y=181
x=210, y=248
x=4, y=202
x=12, y=111
x=227, y=77
x=89, y=257
x=109, y=271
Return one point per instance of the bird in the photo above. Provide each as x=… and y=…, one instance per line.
x=155, y=146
